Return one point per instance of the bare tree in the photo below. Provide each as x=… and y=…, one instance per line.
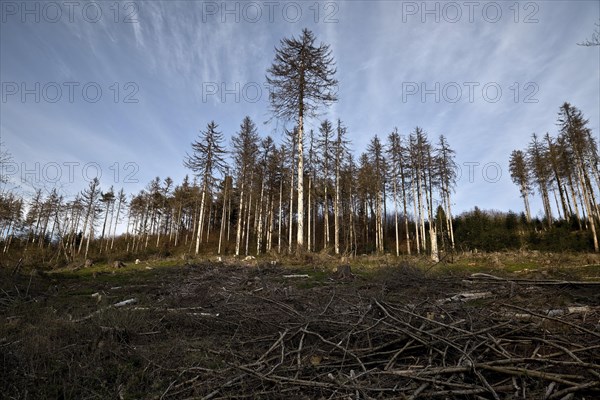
x=583, y=148
x=341, y=149
x=301, y=80
x=90, y=198
x=206, y=160
x=326, y=155
x=394, y=151
x=537, y=158
x=521, y=176
x=378, y=165
x=108, y=199
x=447, y=180
x=121, y=201
x=245, y=151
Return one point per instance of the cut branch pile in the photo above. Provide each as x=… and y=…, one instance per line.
x=225, y=331
x=349, y=346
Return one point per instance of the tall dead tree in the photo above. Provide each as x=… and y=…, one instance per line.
x=378, y=165
x=446, y=169
x=537, y=158
x=394, y=151
x=301, y=80
x=340, y=150
x=326, y=155
x=90, y=199
x=205, y=161
x=245, y=150
x=583, y=147
x=521, y=176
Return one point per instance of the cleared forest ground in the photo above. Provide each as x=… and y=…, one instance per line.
x=257, y=329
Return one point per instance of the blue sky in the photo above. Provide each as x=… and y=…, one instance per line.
x=166, y=69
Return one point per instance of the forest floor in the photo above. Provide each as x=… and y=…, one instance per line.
x=484, y=326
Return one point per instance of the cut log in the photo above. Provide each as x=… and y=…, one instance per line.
x=463, y=297
x=125, y=303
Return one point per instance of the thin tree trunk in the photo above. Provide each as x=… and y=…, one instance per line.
x=336, y=208
x=223, y=213
x=291, y=208
x=238, y=239
x=300, y=214
x=417, y=236
x=280, y=216
x=395, y=194
x=326, y=217
x=309, y=215
x=177, y=224
x=271, y=222
x=201, y=218
x=87, y=245
x=574, y=199
x=249, y=212
x=112, y=239
x=259, y=233
x=590, y=212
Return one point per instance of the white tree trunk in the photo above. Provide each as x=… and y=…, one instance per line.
x=201, y=218
x=280, y=216
x=396, y=217
x=417, y=219
x=291, y=213
x=238, y=239
x=259, y=232
x=326, y=217
x=336, y=209
x=309, y=215
x=300, y=233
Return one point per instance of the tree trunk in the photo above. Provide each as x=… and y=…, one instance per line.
x=300, y=233
x=417, y=219
x=291, y=210
x=259, y=232
x=280, y=216
x=223, y=214
x=309, y=215
x=336, y=208
x=201, y=218
x=590, y=212
x=249, y=217
x=395, y=194
x=326, y=217
x=238, y=239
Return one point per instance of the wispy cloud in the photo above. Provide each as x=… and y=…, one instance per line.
x=175, y=48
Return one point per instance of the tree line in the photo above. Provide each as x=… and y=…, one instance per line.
x=310, y=193
x=564, y=172
x=242, y=199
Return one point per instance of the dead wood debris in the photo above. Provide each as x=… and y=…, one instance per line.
x=344, y=345
x=223, y=331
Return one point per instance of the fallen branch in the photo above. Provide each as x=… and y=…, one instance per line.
x=116, y=305
x=292, y=276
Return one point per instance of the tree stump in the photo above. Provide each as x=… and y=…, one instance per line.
x=88, y=263
x=118, y=264
x=344, y=273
